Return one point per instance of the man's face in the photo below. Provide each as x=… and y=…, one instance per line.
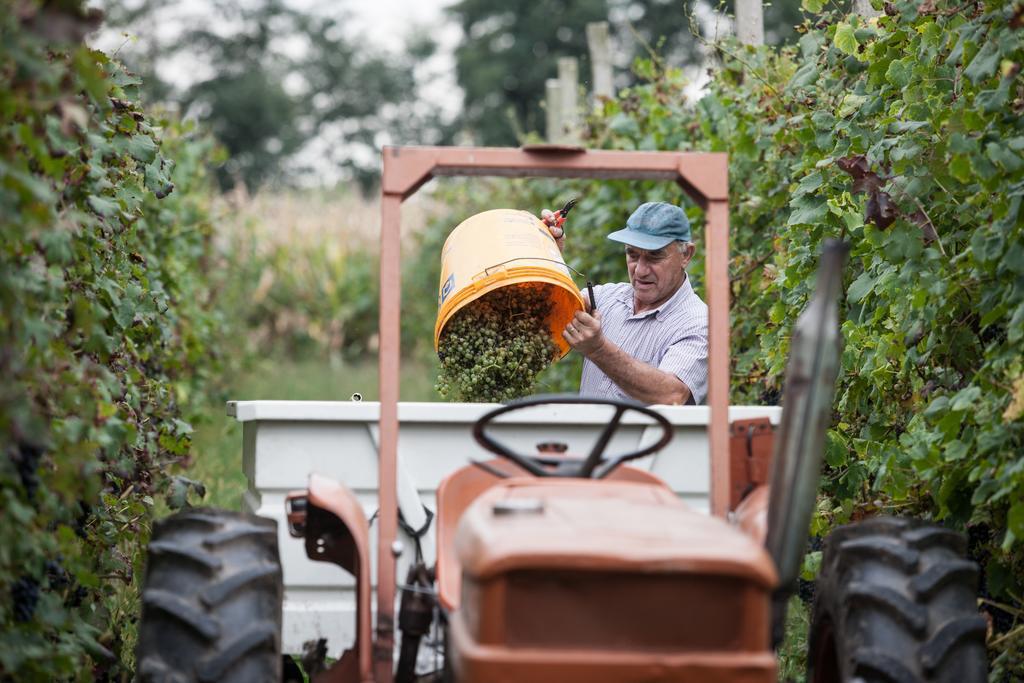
x=656, y=274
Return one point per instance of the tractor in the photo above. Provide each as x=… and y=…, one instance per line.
x=555, y=567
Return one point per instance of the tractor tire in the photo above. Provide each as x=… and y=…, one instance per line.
x=896, y=603
x=211, y=600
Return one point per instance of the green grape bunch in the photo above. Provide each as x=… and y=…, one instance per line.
x=494, y=347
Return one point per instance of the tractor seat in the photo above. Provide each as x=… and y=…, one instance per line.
x=458, y=490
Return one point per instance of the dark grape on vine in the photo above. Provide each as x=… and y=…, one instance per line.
x=24, y=597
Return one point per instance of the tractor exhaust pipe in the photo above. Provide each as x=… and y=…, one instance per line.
x=807, y=411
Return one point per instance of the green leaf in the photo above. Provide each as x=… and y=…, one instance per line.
x=965, y=399
x=906, y=149
x=851, y=103
x=625, y=125
x=91, y=75
x=860, y=287
x=805, y=76
x=808, y=210
x=1013, y=259
x=123, y=79
x=1016, y=325
x=960, y=168
x=37, y=188
x=937, y=406
x=984, y=63
x=961, y=144
x=811, y=565
x=142, y=148
x=999, y=578
x=810, y=44
x=956, y=450
x=836, y=450
x=907, y=126
x=1002, y=156
x=181, y=427
x=124, y=314
x=899, y=73
x=853, y=219
x=990, y=101
x=103, y=206
x=1015, y=519
x=845, y=39
x=813, y=6
x=993, y=314
x=809, y=183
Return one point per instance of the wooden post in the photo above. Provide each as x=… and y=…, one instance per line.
x=750, y=22
x=600, y=60
x=569, y=86
x=553, y=105
x=864, y=9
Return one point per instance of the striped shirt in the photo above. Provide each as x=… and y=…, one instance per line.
x=672, y=338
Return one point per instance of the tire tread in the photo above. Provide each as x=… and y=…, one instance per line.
x=926, y=584
x=213, y=667
x=180, y=609
x=949, y=637
x=218, y=592
x=898, y=598
x=877, y=665
x=199, y=557
x=882, y=548
x=211, y=600
x=890, y=601
x=237, y=533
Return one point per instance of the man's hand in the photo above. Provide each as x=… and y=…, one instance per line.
x=584, y=333
x=550, y=219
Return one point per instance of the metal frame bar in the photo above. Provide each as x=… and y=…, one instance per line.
x=704, y=177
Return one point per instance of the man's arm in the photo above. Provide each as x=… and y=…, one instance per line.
x=638, y=379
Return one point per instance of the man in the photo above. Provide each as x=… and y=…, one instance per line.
x=648, y=338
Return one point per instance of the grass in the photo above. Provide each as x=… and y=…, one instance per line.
x=217, y=440
x=793, y=651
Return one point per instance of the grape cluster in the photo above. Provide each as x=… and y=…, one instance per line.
x=56, y=575
x=26, y=459
x=24, y=597
x=494, y=347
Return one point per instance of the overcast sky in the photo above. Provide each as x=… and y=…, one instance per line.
x=384, y=23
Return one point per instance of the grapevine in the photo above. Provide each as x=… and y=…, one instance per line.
x=494, y=347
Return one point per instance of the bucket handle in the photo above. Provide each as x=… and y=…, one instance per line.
x=590, y=285
x=487, y=270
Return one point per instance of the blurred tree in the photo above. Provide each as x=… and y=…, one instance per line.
x=510, y=47
x=287, y=92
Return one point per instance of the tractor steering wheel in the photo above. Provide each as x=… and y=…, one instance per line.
x=594, y=466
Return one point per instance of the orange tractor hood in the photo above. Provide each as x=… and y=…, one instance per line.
x=600, y=525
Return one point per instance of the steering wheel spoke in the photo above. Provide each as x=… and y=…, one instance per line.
x=602, y=443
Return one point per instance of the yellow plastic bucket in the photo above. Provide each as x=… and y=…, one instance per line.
x=500, y=248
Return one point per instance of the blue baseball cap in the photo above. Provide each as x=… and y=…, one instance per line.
x=654, y=225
